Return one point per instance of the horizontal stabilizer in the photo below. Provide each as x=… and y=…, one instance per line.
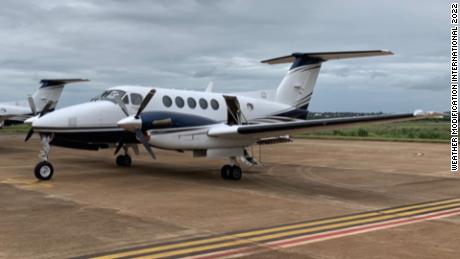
x=53, y=82
x=325, y=56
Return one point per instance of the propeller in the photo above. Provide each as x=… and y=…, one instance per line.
x=29, y=134
x=134, y=124
x=143, y=139
x=144, y=103
x=32, y=105
x=46, y=108
x=119, y=146
x=44, y=111
x=135, y=148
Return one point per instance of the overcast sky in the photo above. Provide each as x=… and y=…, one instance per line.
x=186, y=44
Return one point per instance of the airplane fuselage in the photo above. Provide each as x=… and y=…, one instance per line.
x=213, y=125
x=12, y=113
x=179, y=119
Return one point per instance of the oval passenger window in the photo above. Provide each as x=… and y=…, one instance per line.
x=167, y=101
x=191, y=102
x=179, y=102
x=214, y=104
x=203, y=103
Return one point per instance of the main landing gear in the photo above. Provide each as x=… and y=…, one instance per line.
x=124, y=160
x=44, y=170
x=232, y=171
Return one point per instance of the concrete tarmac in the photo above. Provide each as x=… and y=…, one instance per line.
x=93, y=208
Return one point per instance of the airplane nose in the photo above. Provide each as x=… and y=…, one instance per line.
x=100, y=114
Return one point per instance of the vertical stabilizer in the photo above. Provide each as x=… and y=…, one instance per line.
x=298, y=84
x=50, y=90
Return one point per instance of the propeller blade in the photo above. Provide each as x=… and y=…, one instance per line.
x=144, y=103
x=119, y=146
x=46, y=108
x=29, y=134
x=122, y=105
x=141, y=137
x=32, y=105
x=135, y=148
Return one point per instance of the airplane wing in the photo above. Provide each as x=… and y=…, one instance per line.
x=276, y=129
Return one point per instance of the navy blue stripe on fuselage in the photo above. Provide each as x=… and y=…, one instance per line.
x=177, y=120
x=100, y=137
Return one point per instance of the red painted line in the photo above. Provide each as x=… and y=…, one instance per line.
x=229, y=253
x=283, y=243
x=329, y=235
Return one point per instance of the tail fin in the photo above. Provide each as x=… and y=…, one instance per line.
x=297, y=86
x=50, y=90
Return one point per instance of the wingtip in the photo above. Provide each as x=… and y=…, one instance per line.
x=429, y=114
x=388, y=52
x=418, y=112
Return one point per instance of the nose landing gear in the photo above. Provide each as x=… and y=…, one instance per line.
x=44, y=170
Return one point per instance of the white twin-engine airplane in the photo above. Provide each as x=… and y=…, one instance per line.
x=209, y=124
x=46, y=96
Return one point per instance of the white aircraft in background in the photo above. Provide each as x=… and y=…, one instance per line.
x=208, y=124
x=45, y=98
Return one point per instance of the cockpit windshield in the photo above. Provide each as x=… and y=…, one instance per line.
x=110, y=95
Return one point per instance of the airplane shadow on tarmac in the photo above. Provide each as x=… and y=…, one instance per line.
x=287, y=180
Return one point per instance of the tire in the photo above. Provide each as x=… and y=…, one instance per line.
x=236, y=173
x=124, y=161
x=127, y=161
x=226, y=172
x=44, y=171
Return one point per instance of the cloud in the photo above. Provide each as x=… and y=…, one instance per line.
x=187, y=43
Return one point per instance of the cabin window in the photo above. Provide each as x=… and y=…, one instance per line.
x=126, y=99
x=179, y=102
x=214, y=104
x=203, y=103
x=167, y=101
x=191, y=103
x=250, y=106
x=136, y=99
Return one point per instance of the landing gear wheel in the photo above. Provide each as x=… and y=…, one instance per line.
x=236, y=173
x=229, y=172
x=44, y=171
x=226, y=172
x=124, y=160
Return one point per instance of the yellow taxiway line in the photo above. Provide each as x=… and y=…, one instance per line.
x=264, y=235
